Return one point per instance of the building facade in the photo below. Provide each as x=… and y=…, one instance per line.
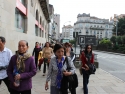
x=51, y=24
x=67, y=32
x=90, y=25
x=57, y=22
x=24, y=20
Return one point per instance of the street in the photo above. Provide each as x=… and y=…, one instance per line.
x=112, y=63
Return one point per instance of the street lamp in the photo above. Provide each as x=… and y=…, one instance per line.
x=116, y=26
x=76, y=36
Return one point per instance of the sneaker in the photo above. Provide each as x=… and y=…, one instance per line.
x=44, y=74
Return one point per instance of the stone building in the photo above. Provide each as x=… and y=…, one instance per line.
x=90, y=25
x=57, y=24
x=24, y=20
x=67, y=32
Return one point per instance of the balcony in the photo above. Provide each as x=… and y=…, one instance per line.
x=96, y=28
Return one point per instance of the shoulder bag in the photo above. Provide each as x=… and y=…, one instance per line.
x=71, y=78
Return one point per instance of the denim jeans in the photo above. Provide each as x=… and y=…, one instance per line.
x=85, y=81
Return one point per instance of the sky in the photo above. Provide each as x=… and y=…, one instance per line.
x=69, y=9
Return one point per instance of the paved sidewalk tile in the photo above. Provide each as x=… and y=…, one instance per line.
x=100, y=83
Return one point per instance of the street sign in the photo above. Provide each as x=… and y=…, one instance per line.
x=64, y=40
x=86, y=39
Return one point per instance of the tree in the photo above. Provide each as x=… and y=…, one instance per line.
x=120, y=27
x=105, y=42
x=119, y=39
x=113, y=39
x=123, y=39
x=72, y=41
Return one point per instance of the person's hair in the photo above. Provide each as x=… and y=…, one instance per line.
x=2, y=39
x=36, y=43
x=57, y=47
x=46, y=43
x=67, y=44
x=25, y=42
x=86, y=51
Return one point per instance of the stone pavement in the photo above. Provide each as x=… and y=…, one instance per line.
x=100, y=83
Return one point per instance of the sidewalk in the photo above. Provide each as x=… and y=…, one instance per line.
x=100, y=83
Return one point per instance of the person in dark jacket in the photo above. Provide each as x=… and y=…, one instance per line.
x=36, y=51
x=70, y=54
x=21, y=69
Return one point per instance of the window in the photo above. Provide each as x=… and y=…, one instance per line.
x=23, y=2
x=20, y=21
x=94, y=32
x=90, y=32
x=32, y=3
x=106, y=34
x=87, y=32
x=100, y=32
x=36, y=25
x=36, y=30
x=40, y=28
x=97, y=32
x=100, y=36
x=106, y=26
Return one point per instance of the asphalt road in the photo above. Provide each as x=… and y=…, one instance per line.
x=112, y=63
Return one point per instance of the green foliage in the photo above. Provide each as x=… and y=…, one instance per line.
x=123, y=39
x=105, y=42
x=72, y=41
x=113, y=39
x=119, y=40
x=120, y=27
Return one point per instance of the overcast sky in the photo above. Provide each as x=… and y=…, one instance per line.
x=69, y=9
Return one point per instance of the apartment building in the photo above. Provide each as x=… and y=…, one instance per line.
x=57, y=23
x=24, y=20
x=67, y=32
x=91, y=25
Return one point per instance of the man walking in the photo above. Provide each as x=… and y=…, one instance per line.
x=5, y=55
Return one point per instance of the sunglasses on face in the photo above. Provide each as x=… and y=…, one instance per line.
x=88, y=48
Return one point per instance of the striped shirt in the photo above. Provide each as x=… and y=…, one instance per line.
x=5, y=57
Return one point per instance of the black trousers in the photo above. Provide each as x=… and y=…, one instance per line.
x=85, y=81
x=64, y=91
x=44, y=67
x=7, y=82
x=45, y=63
x=20, y=92
x=36, y=62
x=73, y=91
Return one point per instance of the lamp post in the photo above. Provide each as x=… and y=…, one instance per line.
x=116, y=27
x=75, y=41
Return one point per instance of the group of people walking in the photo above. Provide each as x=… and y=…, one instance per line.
x=17, y=70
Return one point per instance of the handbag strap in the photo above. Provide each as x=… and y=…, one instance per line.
x=68, y=66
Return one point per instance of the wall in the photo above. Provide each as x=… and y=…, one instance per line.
x=10, y=32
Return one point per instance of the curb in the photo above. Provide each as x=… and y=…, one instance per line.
x=110, y=52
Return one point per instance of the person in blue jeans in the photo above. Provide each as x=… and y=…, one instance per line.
x=86, y=57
